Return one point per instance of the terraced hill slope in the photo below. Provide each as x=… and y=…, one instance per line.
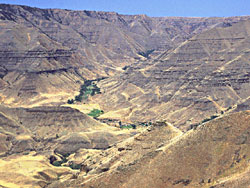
x=46, y=53
x=206, y=75
x=215, y=154
x=169, y=75
x=36, y=140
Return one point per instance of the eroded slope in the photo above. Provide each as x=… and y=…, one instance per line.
x=32, y=139
x=46, y=53
x=206, y=75
x=216, y=154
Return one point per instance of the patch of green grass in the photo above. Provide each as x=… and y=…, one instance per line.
x=126, y=127
x=95, y=113
x=89, y=88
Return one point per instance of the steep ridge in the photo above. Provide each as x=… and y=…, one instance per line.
x=206, y=75
x=216, y=154
x=41, y=45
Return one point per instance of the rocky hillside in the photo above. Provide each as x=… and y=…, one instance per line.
x=45, y=53
x=215, y=154
x=153, y=102
x=57, y=129
x=206, y=75
x=38, y=145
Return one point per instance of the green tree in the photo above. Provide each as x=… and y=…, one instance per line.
x=70, y=101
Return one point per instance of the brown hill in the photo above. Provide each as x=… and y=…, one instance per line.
x=32, y=139
x=206, y=75
x=184, y=70
x=60, y=129
x=216, y=154
x=47, y=52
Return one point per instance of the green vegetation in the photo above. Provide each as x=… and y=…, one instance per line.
x=57, y=163
x=209, y=119
x=64, y=159
x=89, y=88
x=75, y=166
x=95, y=113
x=145, y=124
x=135, y=125
x=147, y=53
x=129, y=126
x=70, y=101
x=194, y=126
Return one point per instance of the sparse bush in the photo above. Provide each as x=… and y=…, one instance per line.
x=129, y=126
x=89, y=88
x=78, y=98
x=146, y=54
x=205, y=120
x=70, y=101
x=213, y=117
x=95, y=113
x=75, y=166
x=57, y=163
x=209, y=119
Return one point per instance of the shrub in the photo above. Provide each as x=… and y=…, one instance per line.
x=64, y=160
x=70, y=101
x=96, y=113
x=213, y=117
x=129, y=126
x=146, y=54
x=57, y=163
x=209, y=119
x=78, y=98
x=89, y=88
x=205, y=120
x=75, y=166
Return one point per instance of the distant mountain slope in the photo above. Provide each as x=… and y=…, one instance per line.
x=50, y=51
x=206, y=75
